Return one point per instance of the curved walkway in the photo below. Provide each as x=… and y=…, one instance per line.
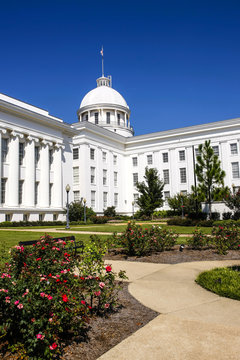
x=194, y=324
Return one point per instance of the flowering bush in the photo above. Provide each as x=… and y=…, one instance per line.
x=43, y=301
x=138, y=241
x=225, y=238
x=199, y=240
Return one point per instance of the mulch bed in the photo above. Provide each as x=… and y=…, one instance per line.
x=175, y=256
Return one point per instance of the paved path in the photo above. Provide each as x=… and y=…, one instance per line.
x=193, y=324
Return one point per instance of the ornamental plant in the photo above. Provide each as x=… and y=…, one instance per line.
x=225, y=238
x=199, y=240
x=162, y=239
x=44, y=297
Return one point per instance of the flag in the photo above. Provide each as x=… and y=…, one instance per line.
x=101, y=52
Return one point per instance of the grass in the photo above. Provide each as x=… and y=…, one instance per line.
x=222, y=281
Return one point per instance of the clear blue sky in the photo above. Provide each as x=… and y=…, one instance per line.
x=177, y=63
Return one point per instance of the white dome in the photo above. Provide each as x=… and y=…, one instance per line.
x=103, y=95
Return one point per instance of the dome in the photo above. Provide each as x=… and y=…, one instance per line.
x=103, y=95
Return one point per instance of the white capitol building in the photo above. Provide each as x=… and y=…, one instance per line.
x=98, y=156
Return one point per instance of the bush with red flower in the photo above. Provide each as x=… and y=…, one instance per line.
x=47, y=295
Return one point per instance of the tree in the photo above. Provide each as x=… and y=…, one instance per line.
x=232, y=200
x=110, y=211
x=187, y=201
x=151, y=192
x=210, y=176
x=76, y=211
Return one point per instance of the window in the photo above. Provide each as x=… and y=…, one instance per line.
x=104, y=156
x=50, y=157
x=105, y=194
x=165, y=157
x=37, y=155
x=135, y=197
x=75, y=154
x=235, y=170
x=114, y=159
x=166, y=176
x=50, y=193
x=234, y=149
x=104, y=177
x=92, y=154
x=76, y=175
x=41, y=217
x=76, y=195
x=183, y=176
x=215, y=150
x=96, y=117
x=93, y=201
x=135, y=179
x=8, y=217
x=135, y=161
x=3, y=191
x=181, y=155
x=166, y=196
x=55, y=217
x=20, y=192
x=115, y=174
x=108, y=117
x=149, y=159
x=21, y=153
x=36, y=193
x=92, y=171
x=86, y=117
x=197, y=152
x=115, y=199
x=118, y=119
x=4, y=149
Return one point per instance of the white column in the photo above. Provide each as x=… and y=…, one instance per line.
x=115, y=115
x=30, y=172
x=13, y=175
x=125, y=119
x=57, y=199
x=44, y=175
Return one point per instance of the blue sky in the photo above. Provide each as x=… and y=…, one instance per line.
x=177, y=63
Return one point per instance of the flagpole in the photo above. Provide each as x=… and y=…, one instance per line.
x=102, y=63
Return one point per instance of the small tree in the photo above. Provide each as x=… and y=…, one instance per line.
x=210, y=176
x=151, y=192
x=110, y=211
x=76, y=211
x=232, y=200
x=188, y=201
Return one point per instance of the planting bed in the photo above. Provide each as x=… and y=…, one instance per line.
x=175, y=256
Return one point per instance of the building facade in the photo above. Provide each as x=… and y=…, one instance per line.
x=98, y=156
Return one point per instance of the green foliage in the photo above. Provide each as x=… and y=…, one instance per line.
x=189, y=222
x=222, y=281
x=187, y=202
x=232, y=200
x=110, y=211
x=76, y=211
x=137, y=241
x=151, y=192
x=209, y=174
x=198, y=241
x=99, y=219
x=160, y=214
x=43, y=301
x=225, y=238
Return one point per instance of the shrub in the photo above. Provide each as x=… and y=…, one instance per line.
x=76, y=211
x=43, y=302
x=197, y=215
x=160, y=214
x=162, y=239
x=99, y=219
x=110, y=211
x=215, y=216
x=189, y=222
x=227, y=215
x=198, y=241
x=137, y=241
x=225, y=238
x=236, y=215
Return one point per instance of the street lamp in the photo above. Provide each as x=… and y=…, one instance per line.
x=67, y=188
x=133, y=203
x=84, y=202
x=182, y=205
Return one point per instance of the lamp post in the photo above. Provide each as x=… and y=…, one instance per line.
x=67, y=188
x=182, y=205
x=133, y=203
x=84, y=203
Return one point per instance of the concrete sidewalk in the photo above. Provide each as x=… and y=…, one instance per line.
x=194, y=324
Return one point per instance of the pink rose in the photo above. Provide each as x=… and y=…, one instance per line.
x=97, y=293
x=49, y=297
x=42, y=294
x=16, y=302
x=20, y=306
x=40, y=336
x=106, y=306
x=101, y=285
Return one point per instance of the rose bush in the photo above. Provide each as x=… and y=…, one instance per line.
x=47, y=296
x=199, y=240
